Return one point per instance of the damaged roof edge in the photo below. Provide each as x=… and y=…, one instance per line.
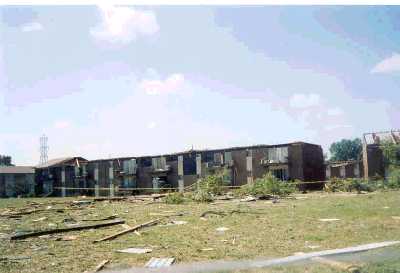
x=208, y=150
x=59, y=161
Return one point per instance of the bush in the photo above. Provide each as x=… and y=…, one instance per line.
x=214, y=184
x=268, y=186
x=359, y=185
x=393, y=181
x=209, y=186
x=335, y=185
x=175, y=198
x=349, y=185
x=202, y=196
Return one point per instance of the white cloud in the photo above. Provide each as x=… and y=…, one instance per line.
x=62, y=124
x=388, y=65
x=336, y=127
x=121, y=25
x=33, y=26
x=304, y=100
x=336, y=111
x=151, y=125
x=171, y=84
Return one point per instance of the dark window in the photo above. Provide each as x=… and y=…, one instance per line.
x=145, y=162
x=171, y=158
x=207, y=157
x=189, y=165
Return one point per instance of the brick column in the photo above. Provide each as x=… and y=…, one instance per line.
x=96, y=180
x=198, y=165
x=111, y=178
x=249, y=166
x=328, y=172
x=63, y=192
x=181, y=183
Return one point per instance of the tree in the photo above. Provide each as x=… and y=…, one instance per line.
x=346, y=149
x=391, y=154
x=5, y=160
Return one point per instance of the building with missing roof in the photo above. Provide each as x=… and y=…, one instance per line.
x=76, y=175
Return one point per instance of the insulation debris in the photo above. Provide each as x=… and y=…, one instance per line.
x=159, y=262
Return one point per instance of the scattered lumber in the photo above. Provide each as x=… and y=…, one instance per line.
x=147, y=197
x=110, y=237
x=21, y=213
x=14, y=258
x=116, y=198
x=99, y=266
x=166, y=215
x=223, y=213
x=159, y=195
x=220, y=213
x=248, y=199
x=61, y=230
x=81, y=202
x=111, y=217
x=134, y=250
x=247, y=212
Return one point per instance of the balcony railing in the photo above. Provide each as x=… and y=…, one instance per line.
x=162, y=169
x=266, y=161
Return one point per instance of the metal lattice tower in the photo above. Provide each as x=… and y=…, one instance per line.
x=43, y=149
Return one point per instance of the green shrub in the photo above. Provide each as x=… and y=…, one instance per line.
x=175, y=198
x=267, y=186
x=359, y=185
x=202, y=196
x=393, y=181
x=349, y=185
x=334, y=185
x=211, y=184
x=215, y=183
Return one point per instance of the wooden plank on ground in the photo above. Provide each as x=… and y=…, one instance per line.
x=110, y=237
x=61, y=230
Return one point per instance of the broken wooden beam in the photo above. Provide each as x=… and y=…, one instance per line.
x=110, y=237
x=21, y=213
x=116, y=198
x=98, y=267
x=14, y=258
x=101, y=265
x=111, y=217
x=61, y=230
x=220, y=213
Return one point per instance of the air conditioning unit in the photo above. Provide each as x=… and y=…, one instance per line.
x=269, y=161
x=264, y=161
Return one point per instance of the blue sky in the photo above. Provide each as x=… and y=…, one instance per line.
x=124, y=81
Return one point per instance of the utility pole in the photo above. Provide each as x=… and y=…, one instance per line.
x=44, y=148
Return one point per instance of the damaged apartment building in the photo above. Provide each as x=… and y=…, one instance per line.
x=17, y=181
x=76, y=175
x=371, y=163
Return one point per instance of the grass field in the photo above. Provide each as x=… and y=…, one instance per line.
x=261, y=229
